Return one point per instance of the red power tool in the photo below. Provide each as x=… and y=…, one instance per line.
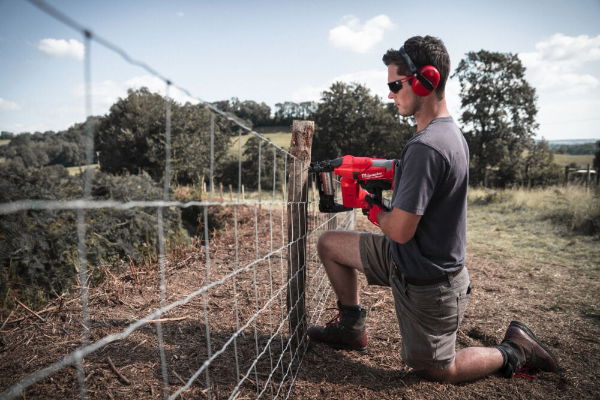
x=363, y=180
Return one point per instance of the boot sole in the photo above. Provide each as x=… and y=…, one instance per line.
x=345, y=347
x=340, y=346
x=535, y=339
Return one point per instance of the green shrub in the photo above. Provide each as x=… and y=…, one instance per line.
x=39, y=248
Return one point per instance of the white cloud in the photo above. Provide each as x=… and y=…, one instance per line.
x=7, y=105
x=157, y=85
x=359, y=38
x=564, y=71
x=375, y=80
x=558, y=64
x=107, y=92
x=180, y=14
x=62, y=48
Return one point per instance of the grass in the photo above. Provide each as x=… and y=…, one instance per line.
x=581, y=160
x=553, y=225
x=281, y=139
x=79, y=169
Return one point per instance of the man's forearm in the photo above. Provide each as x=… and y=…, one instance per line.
x=398, y=225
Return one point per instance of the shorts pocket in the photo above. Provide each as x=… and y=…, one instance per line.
x=461, y=303
x=432, y=306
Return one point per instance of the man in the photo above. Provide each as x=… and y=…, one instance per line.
x=421, y=253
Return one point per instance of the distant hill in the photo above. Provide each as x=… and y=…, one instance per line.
x=568, y=142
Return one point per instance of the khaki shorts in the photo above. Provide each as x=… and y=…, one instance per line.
x=428, y=316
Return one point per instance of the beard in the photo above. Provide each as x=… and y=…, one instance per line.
x=411, y=109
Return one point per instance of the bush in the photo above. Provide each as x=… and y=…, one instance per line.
x=39, y=248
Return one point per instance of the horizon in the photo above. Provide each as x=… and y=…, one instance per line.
x=41, y=78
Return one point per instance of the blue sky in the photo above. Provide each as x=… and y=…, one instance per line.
x=274, y=51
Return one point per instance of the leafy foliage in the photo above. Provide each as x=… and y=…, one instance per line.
x=539, y=168
x=131, y=138
x=576, y=149
x=597, y=158
x=498, y=114
x=288, y=111
x=38, y=250
x=257, y=158
x=349, y=120
x=251, y=112
x=37, y=150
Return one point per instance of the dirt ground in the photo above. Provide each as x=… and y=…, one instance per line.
x=559, y=303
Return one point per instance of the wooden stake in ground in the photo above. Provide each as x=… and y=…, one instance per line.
x=300, y=148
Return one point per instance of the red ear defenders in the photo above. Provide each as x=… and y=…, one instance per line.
x=427, y=77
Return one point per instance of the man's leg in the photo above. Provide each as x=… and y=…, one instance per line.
x=469, y=364
x=339, y=251
x=519, y=348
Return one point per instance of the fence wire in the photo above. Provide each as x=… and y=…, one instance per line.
x=231, y=327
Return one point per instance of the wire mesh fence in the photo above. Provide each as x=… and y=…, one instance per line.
x=215, y=319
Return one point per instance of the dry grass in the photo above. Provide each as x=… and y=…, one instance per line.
x=281, y=139
x=572, y=207
x=79, y=169
x=522, y=267
x=582, y=160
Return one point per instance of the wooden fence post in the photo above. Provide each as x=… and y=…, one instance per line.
x=587, y=176
x=297, y=213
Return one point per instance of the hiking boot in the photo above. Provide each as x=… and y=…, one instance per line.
x=344, y=331
x=521, y=349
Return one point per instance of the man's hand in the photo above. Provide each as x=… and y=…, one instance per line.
x=375, y=207
x=373, y=212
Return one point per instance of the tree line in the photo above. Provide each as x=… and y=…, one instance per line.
x=38, y=253
x=498, y=119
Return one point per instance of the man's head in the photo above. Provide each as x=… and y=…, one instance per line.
x=422, y=51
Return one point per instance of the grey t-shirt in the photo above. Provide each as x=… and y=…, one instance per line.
x=431, y=180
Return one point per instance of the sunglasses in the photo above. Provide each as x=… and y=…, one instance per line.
x=397, y=85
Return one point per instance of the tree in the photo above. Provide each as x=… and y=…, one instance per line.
x=37, y=150
x=288, y=111
x=251, y=112
x=131, y=138
x=349, y=120
x=259, y=158
x=597, y=158
x=539, y=168
x=498, y=113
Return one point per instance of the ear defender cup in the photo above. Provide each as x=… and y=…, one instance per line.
x=427, y=77
x=422, y=87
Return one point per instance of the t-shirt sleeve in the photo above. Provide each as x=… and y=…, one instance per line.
x=422, y=169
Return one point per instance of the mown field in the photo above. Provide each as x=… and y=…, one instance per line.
x=533, y=256
x=528, y=260
x=281, y=139
x=582, y=160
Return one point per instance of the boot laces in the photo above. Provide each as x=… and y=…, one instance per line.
x=525, y=373
x=335, y=320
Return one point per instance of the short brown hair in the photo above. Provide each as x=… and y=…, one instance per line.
x=423, y=51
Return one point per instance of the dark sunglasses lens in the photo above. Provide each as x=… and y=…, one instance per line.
x=395, y=86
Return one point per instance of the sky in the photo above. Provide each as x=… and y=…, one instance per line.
x=281, y=50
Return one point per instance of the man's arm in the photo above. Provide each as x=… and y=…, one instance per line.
x=398, y=225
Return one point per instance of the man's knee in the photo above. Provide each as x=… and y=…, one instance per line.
x=324, y=244
x=341, y=247
x=442, y=375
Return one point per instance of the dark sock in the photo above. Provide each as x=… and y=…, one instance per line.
x=504, y=356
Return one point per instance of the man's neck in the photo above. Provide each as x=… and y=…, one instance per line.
x=431, y=109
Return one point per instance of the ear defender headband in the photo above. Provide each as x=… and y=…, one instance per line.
x=427, y=77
